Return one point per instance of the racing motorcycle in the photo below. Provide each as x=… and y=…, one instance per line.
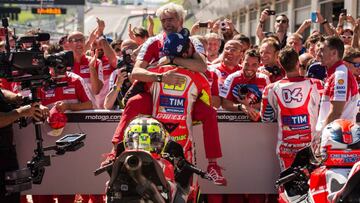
x=141, y=173
x=335, y=179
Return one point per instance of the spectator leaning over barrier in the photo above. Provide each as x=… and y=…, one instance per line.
x=293, y=101
x=340, y=97
x=242, y=89
x=269, y=51
x=281, y=27
x=89, y=68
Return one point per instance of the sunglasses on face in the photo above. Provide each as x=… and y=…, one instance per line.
x=356, y=65
x=282, y=21
x=346, y=36
x=73, y=40
x=117, y=49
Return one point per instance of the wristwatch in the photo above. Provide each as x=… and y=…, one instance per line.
x=159, y=78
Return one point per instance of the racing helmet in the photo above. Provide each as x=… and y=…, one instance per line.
x=145, y=133
x=341, y=134
x=340, y=143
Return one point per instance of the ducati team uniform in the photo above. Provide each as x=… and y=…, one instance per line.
x=107, y=70
x=174, y=105
x=237, y=82
x=222, y=72
x=76, y=91
x=142, y=103
x=340, y=85
x=213, y=82
x=83, y=70
x=294, y=102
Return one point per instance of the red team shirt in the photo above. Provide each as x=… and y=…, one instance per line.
x=340, y=85
x=237, y=83
x=151, y=50
x=76, y=91
x=222, y=73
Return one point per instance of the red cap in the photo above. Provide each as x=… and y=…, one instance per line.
x=57, y=119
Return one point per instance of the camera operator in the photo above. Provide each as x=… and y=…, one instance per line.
x=75, y=96
x=119, y=81
x=8, y=115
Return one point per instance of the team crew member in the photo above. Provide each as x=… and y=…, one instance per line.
x=90, y=69
x=232, y=55
x=172, y=17
x=294, y=102
x=107, y=56
x=242, y=90
x=8, y=115
x=269, y=51
x=340, y=96
x=74, y=96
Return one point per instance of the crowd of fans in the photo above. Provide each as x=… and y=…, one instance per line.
x=238, y=71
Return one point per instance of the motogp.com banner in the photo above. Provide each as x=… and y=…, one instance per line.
x=114, y=117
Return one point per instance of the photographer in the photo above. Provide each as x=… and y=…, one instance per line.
x=8, y=115
x=119, y=79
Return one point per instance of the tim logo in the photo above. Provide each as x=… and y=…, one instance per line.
x=292, y=95
x=168, y=101
x=295, y=120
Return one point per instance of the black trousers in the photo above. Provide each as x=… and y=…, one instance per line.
x=8, y=162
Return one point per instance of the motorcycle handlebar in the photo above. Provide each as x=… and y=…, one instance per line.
x=287, y=178
x=184, y=165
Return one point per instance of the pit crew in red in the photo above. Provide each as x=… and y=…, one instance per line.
x=242, y=90
x=294, y=102
x=75, y=92
x=232, y=56
x=90, y=69
x=340, y=98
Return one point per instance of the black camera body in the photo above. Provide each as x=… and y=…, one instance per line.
x=127, y=64
x=273, y=70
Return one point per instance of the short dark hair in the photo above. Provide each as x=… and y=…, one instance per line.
x=242, y=38
x=335, y=43
x=252, y=53
x=116, y=42
x=289, y=58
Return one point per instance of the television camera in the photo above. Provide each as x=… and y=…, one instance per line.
x=30, y=68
